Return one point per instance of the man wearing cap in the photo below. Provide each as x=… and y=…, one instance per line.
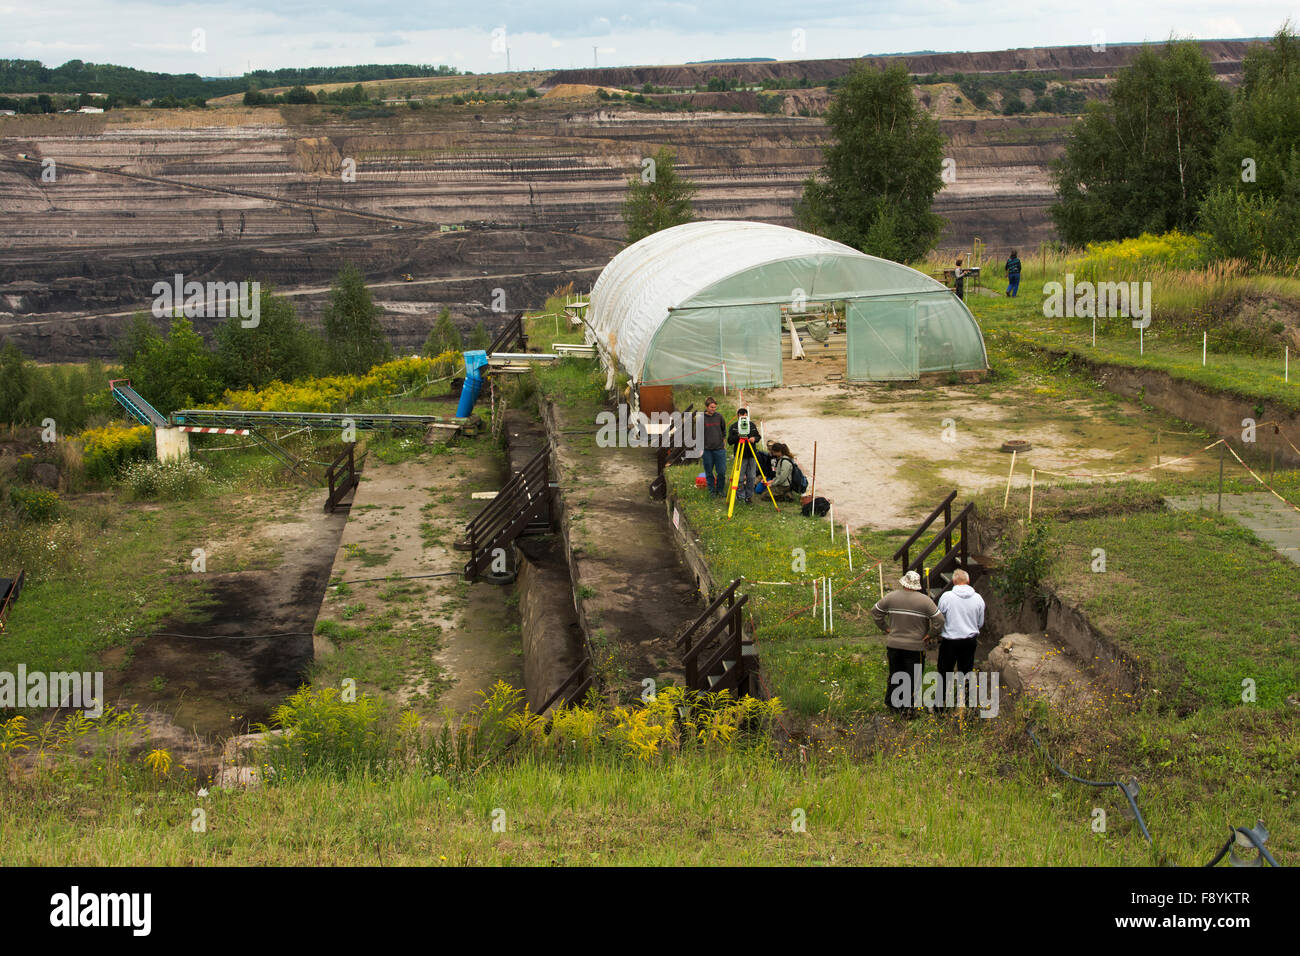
x=911, y=621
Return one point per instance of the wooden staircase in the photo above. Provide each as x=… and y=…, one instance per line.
x=937, y=577
x=714, y=650
x=524, y=506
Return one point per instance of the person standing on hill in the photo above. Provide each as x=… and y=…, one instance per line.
x=715, y=448
x=1013, y=275
x=911, y=621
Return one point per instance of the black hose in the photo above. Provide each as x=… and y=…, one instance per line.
x=1123, y=788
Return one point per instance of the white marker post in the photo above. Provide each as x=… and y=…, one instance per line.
x=1205, y=337
x=1094, y=331
x=848, y=544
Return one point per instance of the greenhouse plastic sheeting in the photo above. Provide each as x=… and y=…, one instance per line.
x=742, y=343
x=684, y=303
x=898, y=337
x=882, y=340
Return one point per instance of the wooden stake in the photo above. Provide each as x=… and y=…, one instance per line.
x=848, y=544
x=1032, y=473
x=1007, y=496
x=812, y=484
x=880, y=567
x=1221, y=457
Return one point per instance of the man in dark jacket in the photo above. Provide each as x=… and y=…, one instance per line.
x=715, y=448
x=1013, y=275
x=912, y=622
x=742, y=429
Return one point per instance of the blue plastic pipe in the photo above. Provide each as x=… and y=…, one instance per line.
x=475, y=362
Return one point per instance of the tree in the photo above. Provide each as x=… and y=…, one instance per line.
x=354, y=339
x=480, y=338
x=658, y=198
x=176, y=372
x=278, y=347
x=15, y=386
x=1143, y=161
x=1254, y=208
x=444, y=336
x=882, y=169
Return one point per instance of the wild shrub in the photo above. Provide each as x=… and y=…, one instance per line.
x=105, y=451
x=34, y=504
x=326, y=735
x=166, y=480
x=1021, y=576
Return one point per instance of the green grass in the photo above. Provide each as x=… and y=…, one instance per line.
x=108, y=572
x=931, y=794
x=779, y=554
x=1198, y=601
x=382, y=655
x=1013, y=326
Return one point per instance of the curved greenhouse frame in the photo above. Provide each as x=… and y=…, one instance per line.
x=702, y=303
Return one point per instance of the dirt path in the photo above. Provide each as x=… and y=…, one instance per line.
x=884, y=457
x=633, y=587
x=397, y=617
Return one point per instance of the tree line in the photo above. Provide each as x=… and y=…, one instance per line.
x=177, y=368
x=129, y=84
x=1174, y=148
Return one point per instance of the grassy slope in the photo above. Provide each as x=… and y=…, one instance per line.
x=1012, y=324
x=931, y=795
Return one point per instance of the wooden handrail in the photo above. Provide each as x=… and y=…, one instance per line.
x=960, y=520
x=906, y=546
x=564, y=685
x=726, y=594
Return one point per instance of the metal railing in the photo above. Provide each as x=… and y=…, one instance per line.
x=134, y=403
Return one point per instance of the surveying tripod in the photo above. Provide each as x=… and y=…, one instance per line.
x=742, y=445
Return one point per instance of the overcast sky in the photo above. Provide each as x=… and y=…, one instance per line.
x=238, y=34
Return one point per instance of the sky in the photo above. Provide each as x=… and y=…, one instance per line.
x=229, y=37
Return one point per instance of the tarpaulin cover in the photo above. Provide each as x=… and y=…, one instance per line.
x=699, y=301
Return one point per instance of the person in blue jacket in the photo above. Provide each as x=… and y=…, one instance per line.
x=1013, y=275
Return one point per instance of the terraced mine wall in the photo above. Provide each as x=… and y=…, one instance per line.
x=239, y=193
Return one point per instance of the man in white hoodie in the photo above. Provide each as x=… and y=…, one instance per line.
x=963, y=616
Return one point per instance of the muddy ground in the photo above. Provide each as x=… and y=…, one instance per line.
x=228, y=667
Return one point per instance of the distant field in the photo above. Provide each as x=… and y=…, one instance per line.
x=418, y=85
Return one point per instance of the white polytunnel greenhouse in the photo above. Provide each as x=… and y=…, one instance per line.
x=707, y=303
